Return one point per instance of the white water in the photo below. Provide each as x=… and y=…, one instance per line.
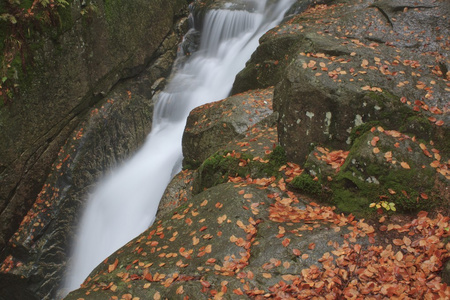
x=125, y=203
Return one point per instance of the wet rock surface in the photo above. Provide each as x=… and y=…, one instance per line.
x=100, y=136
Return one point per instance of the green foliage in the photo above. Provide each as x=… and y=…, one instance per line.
x=306, y=184
x=389, y=206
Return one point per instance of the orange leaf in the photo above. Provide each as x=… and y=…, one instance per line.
x=435, y=164
x=374, y=141
x=238, y=292
x=157, y=296
x=398, y=242
x=405, y=165
x=296, y=252
x=286, y=242
x=180, y=290
x=311, y=246
x=113, y=266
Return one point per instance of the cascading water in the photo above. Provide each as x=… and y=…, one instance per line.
x=125, y=203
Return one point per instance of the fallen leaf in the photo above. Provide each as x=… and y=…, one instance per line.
x=405, y=165
x=113, y=266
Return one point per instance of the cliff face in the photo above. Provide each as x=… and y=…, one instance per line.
x=84, y=105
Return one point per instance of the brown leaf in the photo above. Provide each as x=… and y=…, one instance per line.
x=113, y=266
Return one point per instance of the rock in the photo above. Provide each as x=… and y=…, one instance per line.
x=104, y=133
x=178, y=192
x=393, y=167
x=74, y=66
x=211, y=126
x=331, y=76
x=228, y=236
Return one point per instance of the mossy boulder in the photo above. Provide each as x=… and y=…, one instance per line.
x=333, y=80
x=221, y=166
x=211, y=126
x=390, y=166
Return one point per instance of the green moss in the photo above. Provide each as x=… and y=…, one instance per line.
x=360, y=130
x=278, y=156
x=349, y=202
x=217, y=168
x=306, y=184
x=276, y=159
x=418, y=126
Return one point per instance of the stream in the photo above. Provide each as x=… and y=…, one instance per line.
x=125, y=203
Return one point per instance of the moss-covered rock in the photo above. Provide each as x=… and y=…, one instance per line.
x=306, y=184
x=210, y=127
x=389, y=166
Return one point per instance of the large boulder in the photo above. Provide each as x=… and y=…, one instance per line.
x=211, y=126
x=230, y=240
x=386, y=166
x=335, y=73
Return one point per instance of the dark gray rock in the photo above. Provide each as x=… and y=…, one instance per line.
x=212, y=126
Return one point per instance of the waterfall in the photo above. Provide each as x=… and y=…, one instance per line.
x=125, y=203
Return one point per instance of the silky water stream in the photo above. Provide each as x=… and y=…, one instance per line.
x=124, y=204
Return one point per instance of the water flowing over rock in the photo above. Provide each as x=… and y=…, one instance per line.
x=228, y=40
x=79, y=129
